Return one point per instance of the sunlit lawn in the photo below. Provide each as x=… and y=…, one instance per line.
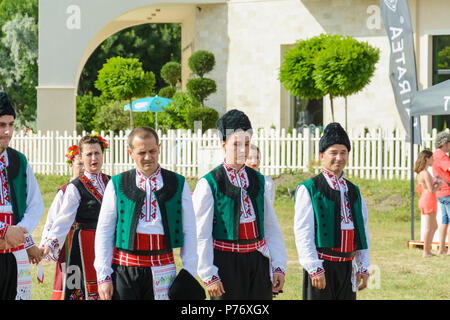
x=398, y=272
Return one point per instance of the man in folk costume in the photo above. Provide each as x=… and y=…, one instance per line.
x=76, y=165
x=21, y=208
x=81, y=205
x=146, y=214
x=242, y=254
x=331, y=225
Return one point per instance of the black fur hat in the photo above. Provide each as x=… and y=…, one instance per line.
x=334, y=134
x=186, y=287
x=6, y=107
x=232, y=121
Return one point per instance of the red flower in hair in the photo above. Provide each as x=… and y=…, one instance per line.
x=72, y=151
x=103, y=142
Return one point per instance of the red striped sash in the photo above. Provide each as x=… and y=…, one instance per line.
x=347, y=245
x=144, y=242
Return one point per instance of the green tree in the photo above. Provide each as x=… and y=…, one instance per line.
x=18, y=68
x=328, y=64
x=153, y=44
x=345, y=68
x=171, y=74
x=111, y=116
x=200, y=63
x=124, y=79
x=296, y=71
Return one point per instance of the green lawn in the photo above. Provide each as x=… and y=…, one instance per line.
x=398, y=272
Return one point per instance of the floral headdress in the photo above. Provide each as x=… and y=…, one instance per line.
x=103, y=142
x=71, y=153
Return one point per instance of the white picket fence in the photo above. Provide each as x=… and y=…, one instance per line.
x=376, y=154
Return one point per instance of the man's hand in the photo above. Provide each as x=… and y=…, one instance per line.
x=216, y=289
x=105, y=290
x=278, y=282
x=15, y=236
x=364, y=277
x=4, y=245
x=34, y=255
x=319, y=281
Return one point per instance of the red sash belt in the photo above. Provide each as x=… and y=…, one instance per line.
x=144, y=242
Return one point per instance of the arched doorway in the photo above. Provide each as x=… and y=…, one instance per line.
x=69, y=32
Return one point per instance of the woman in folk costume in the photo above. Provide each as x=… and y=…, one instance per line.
x=21, y=208
x=147, y=212
x=331, y=225
x=76, y=165
x=81, y=204
x=241, y=250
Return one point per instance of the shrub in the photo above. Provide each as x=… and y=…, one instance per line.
x=201, y=88
x=207, y=116
x=201, y=62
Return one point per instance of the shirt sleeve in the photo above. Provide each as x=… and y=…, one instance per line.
x=304, y=233
x=203, y=202
x=188, y=252
x=65, y=217
x=52, y=212
x=274, y=237
x=362, y=257
x=35, y=203
x=270, y=188
x=105, y=234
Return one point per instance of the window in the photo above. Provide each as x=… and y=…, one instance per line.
x=306, y=112
x=441, y=72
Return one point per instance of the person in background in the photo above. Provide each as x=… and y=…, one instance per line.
x=81, y=205
x=76, y=165
x=254, y=162
x=427, y=188
x=441, y=171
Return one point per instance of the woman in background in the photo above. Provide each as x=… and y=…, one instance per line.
x=426, y=188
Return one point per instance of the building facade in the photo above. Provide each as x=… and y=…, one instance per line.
x=248, y=39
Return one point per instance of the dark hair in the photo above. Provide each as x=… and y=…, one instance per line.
x=421, y=161
x=143, y=133
x=89, y=139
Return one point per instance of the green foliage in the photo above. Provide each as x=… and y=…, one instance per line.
x=122, y=78
x=87, y=107
x=18, y=56
x=207, y=116
x=111, y=116
x=201, y=62
x=167, y=92
x=296, y=71
x=153, y=44
x=171, y=73
x=345, y=67
x=201, y=88
x=175, y=115
x=444, y=58
x=146, y=119
x=328, y=64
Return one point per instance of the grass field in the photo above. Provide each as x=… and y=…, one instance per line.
x=398, y=272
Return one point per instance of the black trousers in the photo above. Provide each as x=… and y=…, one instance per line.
x=8, y=276
x=338, y=283
x=245, y=276
x=132, y=283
